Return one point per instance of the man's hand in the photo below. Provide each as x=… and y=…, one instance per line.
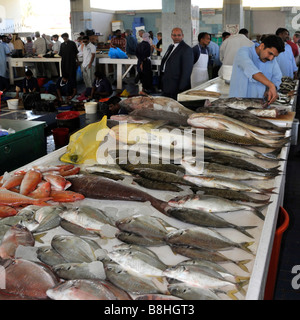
x=272, y=94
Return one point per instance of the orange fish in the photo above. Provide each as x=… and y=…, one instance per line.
x=9, y=198
x=58, y=182
x=14, y=181
x=42, y=191
x=31, y=179
x=66, y=196
x=70, y=172
x=6, y=211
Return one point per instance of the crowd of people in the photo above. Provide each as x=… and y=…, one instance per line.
x=258, y=64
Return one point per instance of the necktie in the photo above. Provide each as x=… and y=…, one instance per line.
x=166, y=57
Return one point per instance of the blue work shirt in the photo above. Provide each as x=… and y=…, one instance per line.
x=4, y=51
x=246, y=64
x=287, y=63
x=214, y=52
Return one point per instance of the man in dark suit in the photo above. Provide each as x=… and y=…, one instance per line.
x=176, y=66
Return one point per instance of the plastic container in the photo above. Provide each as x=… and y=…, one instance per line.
x=61, y=137
x=91, y=107
x=13, y=104
x=68, y=119
x=227, y=71
x=282, y=225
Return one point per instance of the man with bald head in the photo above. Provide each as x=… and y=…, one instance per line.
x=176, y=66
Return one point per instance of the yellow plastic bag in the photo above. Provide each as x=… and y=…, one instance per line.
x=84, y=143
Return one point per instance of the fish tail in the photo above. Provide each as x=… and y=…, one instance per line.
x=38, y=237
x=231, y=294
x=244, y=230
x=244, y=246
x=270, y=190
x=242, y=264
x=160, y=205
x=258, y=213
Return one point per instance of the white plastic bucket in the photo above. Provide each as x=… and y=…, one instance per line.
x=227, y=71
x=91, y=107
x=13, y=104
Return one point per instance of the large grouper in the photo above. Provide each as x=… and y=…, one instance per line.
x=101, y=188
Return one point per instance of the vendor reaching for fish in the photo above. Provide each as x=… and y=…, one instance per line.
x=255, y=73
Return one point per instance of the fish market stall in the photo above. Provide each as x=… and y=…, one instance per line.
x=123, y=62
x=144, y=221
x=23, y=62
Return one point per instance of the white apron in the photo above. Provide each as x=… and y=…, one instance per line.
x=200, y=72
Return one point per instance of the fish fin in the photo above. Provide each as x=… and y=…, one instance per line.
x=243, y=280
x=258, y=213
x=244, y=230
x=231, y=294
x=244, y=246
x=38, y=237
x=242, y=264
x=270, y=190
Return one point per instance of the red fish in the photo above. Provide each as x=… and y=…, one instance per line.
x=27, y=279
x=58, y=182
x=31, y=179
x=42, y=191
x=14, y=237
x=65, y=196
x=14, y=181
x=70, y=172
x=10, y=198
x=6, y=211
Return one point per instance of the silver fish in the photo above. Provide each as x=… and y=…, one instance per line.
x=204, y=238
x=48, y=218
x=49, y=256
x=138, y=262
x=87, y=217
x=132, y=238
x=73, y=249
x=112, y=169
x=224, y=183
x=72, y=271
x=211, y=204
x=86, y=290
x=204, y=219
x=218, y=170
x=130, y=281
x=145, y=226
x=188, y=292
x=195, y=277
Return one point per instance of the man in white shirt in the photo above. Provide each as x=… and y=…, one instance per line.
x=230, y=47
x=56, y=44
x=88, y=65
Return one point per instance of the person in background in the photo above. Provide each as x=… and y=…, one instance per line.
x=144, y=67
x=56, y=44
x=112, y=107
x=214, y=63
x=225, y=35
x=131, y=44
x=10, y=44
x=18, y=45
x=29, y=46
x=230, y=46
x=256, y=73
x=201, y=58
x=29, y=84
x=139, y=35
x=69, y=60
x=176, y=66
x=118, y=41
x=293, y=45
x=154, y=39
x=88, y=65
x=101, y=87
x=65, y=88
x=4, y=53
x=40, y=48
x=286, y=59
x=158, y=46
